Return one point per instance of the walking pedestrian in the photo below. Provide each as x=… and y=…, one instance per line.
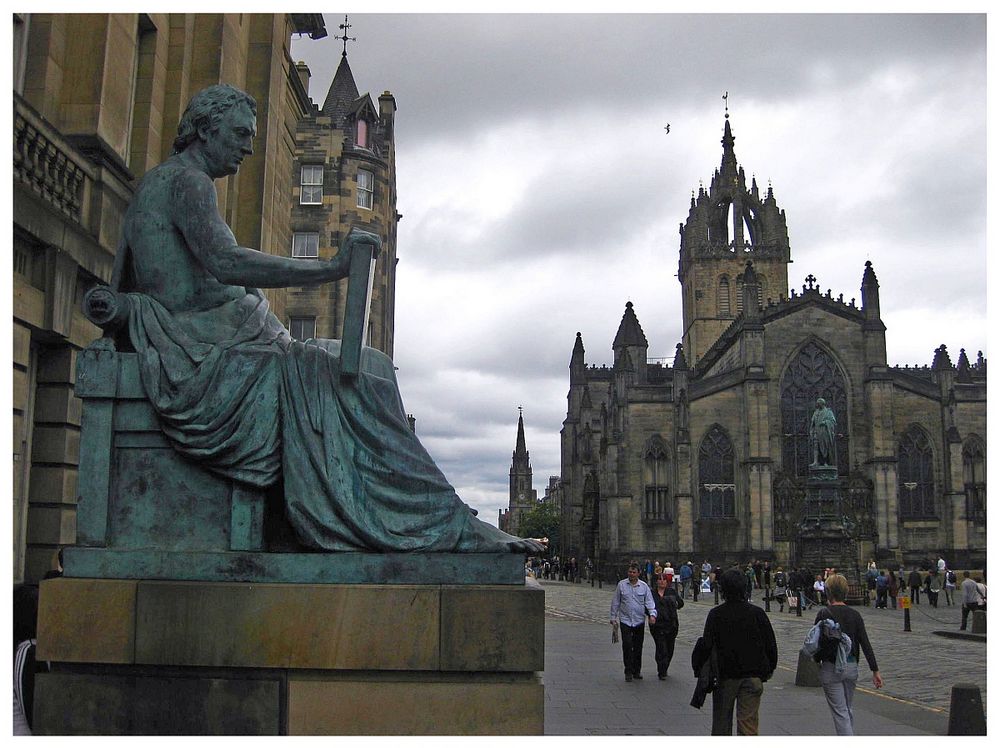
x=881, y=590
x=914, y=582
x=839, y=679
x=630, y=604
x=893, y=589
x=744, y=642
x=933, y=586
x=665, y=626
x=972, y=599
x=950, y=581
x=696, y=575
x=685, y=576
x=780, y=589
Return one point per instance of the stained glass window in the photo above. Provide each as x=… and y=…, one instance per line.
x=656, y=480
x=915, y=474
x=974, y=468
x=716, y=481
x=811, y=375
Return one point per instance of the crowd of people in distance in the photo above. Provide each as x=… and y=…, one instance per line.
x=737, y=652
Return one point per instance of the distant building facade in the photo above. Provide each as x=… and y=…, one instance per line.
x=344, y=176
x=523, y=497
x=97, y=98
x=709, y=458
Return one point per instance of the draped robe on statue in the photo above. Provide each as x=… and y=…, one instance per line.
x=237, y=395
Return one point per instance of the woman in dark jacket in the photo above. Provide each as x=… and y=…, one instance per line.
x=665, y=629
x=839, y=687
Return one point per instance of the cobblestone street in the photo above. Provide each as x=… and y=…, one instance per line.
x=919, y=667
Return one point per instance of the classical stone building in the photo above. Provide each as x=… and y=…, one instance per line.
x=709, y=458
x=344, y=176
x=97, y=98
x=523, y=498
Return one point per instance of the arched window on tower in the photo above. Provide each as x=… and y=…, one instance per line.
x=812, y=374
x=722, y=298
x=915, y=465
x=656, y=481
x=974, y=470
x=716, y=475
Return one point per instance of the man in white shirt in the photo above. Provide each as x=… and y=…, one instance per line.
x=973, y=597
x=631, y=603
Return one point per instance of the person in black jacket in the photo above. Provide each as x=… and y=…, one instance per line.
x=839, y=687
x=666, y=626
x=747, y=654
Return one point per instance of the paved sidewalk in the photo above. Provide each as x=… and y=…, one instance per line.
x=585, y=691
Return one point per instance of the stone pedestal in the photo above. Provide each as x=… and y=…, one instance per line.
x=138, y=657
x=825, y=532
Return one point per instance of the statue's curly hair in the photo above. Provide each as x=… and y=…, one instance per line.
x=208, y=106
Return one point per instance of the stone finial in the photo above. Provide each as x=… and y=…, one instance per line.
x=942, y=360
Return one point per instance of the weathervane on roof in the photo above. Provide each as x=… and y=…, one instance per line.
x=345, y=38
x=725, y=98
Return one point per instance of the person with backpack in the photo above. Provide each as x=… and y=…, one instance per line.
x=780, y=589
x=743, y=641
x=839, y=684
x=666, y=625
x=950, y=582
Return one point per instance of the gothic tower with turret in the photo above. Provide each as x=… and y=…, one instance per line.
x=523, y=498
x=344, y=177
x=727, y=225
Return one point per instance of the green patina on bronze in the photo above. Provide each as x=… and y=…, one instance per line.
x=222, y=434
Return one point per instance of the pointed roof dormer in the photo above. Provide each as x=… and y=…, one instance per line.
x=343, y=93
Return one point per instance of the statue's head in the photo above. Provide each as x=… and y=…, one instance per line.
x=209, y=110
x=820, y=402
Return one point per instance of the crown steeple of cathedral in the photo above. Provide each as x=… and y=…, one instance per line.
x=728, y=224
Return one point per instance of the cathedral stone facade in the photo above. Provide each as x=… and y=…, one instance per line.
x=709, y=458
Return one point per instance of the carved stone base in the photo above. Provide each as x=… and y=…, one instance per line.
x=144, y=657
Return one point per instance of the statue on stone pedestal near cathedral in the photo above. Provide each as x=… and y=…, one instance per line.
x=823, y=436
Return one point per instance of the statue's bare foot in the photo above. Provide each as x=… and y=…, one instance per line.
x=480, y=537
x=526, y=545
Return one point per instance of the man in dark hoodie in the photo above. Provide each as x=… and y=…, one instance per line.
x=747, y=654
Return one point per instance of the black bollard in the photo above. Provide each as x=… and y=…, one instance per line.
x=966, y=716
x=716, y=586
x=906, y=619
x=767, y=600
x=798, y=604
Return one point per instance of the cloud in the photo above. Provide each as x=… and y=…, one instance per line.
x=540, y=191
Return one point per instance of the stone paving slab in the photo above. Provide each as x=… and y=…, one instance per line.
x=586, y=693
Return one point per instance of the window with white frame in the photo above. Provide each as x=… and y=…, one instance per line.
x=302, y=328
x=305, y=244
x=311, y=182
x=366, y=189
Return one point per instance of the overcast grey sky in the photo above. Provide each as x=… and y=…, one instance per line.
x=540, y=192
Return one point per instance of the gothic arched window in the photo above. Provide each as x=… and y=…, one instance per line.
x=812, y=374
x=656, y=480
x=716, y=471
x=974, y=470
x=722, y=300
x=915, y=474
